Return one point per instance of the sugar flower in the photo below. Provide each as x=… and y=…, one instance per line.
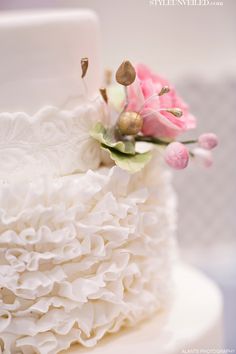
x=208, y=141
x=177, y=155
x=145, y=96
x=145, y=108
x=202, y=157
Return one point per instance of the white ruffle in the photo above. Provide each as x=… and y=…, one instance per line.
x=82, y=256
x=53, y=142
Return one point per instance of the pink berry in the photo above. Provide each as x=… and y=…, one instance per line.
x=177, y=155
x=203, y=157
x=208, y=141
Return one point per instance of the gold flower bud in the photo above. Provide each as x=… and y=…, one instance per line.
x=125, y=74
x=108, y=77
x=165, y=89
x=103, y=93
x=175, y=111
x=84, y=66
x=130, y=123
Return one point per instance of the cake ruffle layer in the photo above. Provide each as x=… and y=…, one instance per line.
x=83, y=255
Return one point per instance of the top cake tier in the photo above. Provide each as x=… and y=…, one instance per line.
x=46, y=109
x=40, y=58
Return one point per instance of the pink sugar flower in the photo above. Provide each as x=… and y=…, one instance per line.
x=208, y=141
x=203, y=157
x=143, y=97
x=177, y=155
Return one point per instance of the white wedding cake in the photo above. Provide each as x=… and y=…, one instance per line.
x=87, y=248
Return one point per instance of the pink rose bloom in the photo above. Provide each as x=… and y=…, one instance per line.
x=157, y=123
x=177, y=155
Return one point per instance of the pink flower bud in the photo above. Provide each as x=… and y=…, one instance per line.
x=208, y=141
x=177, y=155
x=203, y=157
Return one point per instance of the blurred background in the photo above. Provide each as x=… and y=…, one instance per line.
x=195, y=47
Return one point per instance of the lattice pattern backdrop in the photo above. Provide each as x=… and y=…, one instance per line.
x=207, y=198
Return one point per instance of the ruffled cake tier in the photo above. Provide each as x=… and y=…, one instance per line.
x=83, y=255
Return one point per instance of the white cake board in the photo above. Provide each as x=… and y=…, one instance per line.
x=195, y=322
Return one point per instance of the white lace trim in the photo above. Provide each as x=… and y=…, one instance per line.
x=53, y=142
x=82, y=256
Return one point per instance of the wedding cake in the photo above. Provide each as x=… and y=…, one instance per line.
x=87, y=223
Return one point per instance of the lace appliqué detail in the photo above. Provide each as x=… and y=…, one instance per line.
x=53, y=142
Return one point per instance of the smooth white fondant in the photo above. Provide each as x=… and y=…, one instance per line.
x=194, y=324
x=83, y=255
x=40, y=58
x=53, y=142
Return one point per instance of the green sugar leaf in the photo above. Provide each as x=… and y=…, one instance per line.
x=107, y=138
x=130, y=163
